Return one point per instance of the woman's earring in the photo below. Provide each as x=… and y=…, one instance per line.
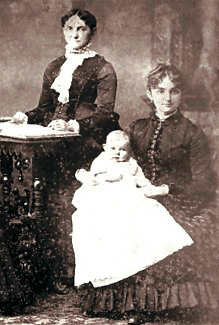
x=149, y=96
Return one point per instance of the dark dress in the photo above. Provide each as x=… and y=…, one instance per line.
x=91, y=102
x=91, y=98
x=174, y=152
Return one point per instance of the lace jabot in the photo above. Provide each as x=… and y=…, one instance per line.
x=74, y=58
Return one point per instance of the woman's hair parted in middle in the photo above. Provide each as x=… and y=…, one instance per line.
x=86, y=16
x=161, y=71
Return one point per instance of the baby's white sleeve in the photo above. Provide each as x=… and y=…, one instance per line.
x=149, y=189
x=141, y=180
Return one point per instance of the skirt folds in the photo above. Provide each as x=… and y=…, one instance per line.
x=186, y=279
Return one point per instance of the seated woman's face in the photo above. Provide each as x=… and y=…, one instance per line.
x=166, y=96
x=76, y=32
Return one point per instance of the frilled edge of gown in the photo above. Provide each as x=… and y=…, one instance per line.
x=145, y=297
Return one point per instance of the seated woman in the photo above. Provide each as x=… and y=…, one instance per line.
x=171, y=150
x=113, y=203
x=78, y=95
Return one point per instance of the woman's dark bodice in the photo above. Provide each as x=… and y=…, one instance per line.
x=91, y=95
x=174, y=152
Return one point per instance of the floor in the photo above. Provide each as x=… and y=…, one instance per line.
x=55, y=309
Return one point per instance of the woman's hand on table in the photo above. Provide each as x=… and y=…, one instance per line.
x=73, y=126
x=61, y=125
x=58, y=125
x=19, y=118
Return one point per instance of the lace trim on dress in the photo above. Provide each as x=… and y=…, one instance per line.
x=74, y=58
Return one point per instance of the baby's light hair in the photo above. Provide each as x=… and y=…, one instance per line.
x=119, y=136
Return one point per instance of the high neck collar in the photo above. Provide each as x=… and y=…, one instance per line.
x=173, y=117
x=84, y=50
x=63, y=81
x=164, y=117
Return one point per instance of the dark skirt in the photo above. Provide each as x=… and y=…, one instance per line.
x=183, y=280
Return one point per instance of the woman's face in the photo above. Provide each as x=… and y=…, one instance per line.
x=76, y=32
x=166, y=96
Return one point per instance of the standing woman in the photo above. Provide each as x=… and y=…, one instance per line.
x=78, y=94
x=173, y=151
x=79, y=88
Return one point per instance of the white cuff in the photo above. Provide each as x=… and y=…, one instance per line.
x=73, y=126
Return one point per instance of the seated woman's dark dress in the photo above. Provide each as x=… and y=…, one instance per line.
x=173, y=152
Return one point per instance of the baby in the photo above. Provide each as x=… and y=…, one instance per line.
x=116, y=164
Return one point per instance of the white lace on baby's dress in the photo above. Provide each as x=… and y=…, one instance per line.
x=74, y=58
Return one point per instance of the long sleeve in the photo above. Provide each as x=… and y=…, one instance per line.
x=36, y=116
x=93, y=88
x=141, y=180
x=105, y=101
x=202, y=181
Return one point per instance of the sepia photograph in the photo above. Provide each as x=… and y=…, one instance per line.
x=109, y=162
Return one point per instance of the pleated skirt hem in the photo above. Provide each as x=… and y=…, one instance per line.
x=144, y=297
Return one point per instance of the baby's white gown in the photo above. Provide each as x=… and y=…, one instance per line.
x=118, y=232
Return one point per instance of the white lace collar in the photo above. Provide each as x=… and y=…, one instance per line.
x=63, y=81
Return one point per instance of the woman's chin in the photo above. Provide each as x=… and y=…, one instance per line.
x=74, y=45
x=169, y=110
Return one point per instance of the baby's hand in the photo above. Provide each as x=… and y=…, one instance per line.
x=81, y=175
x=84, y=176
x=164, y=189
x=156, y=190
